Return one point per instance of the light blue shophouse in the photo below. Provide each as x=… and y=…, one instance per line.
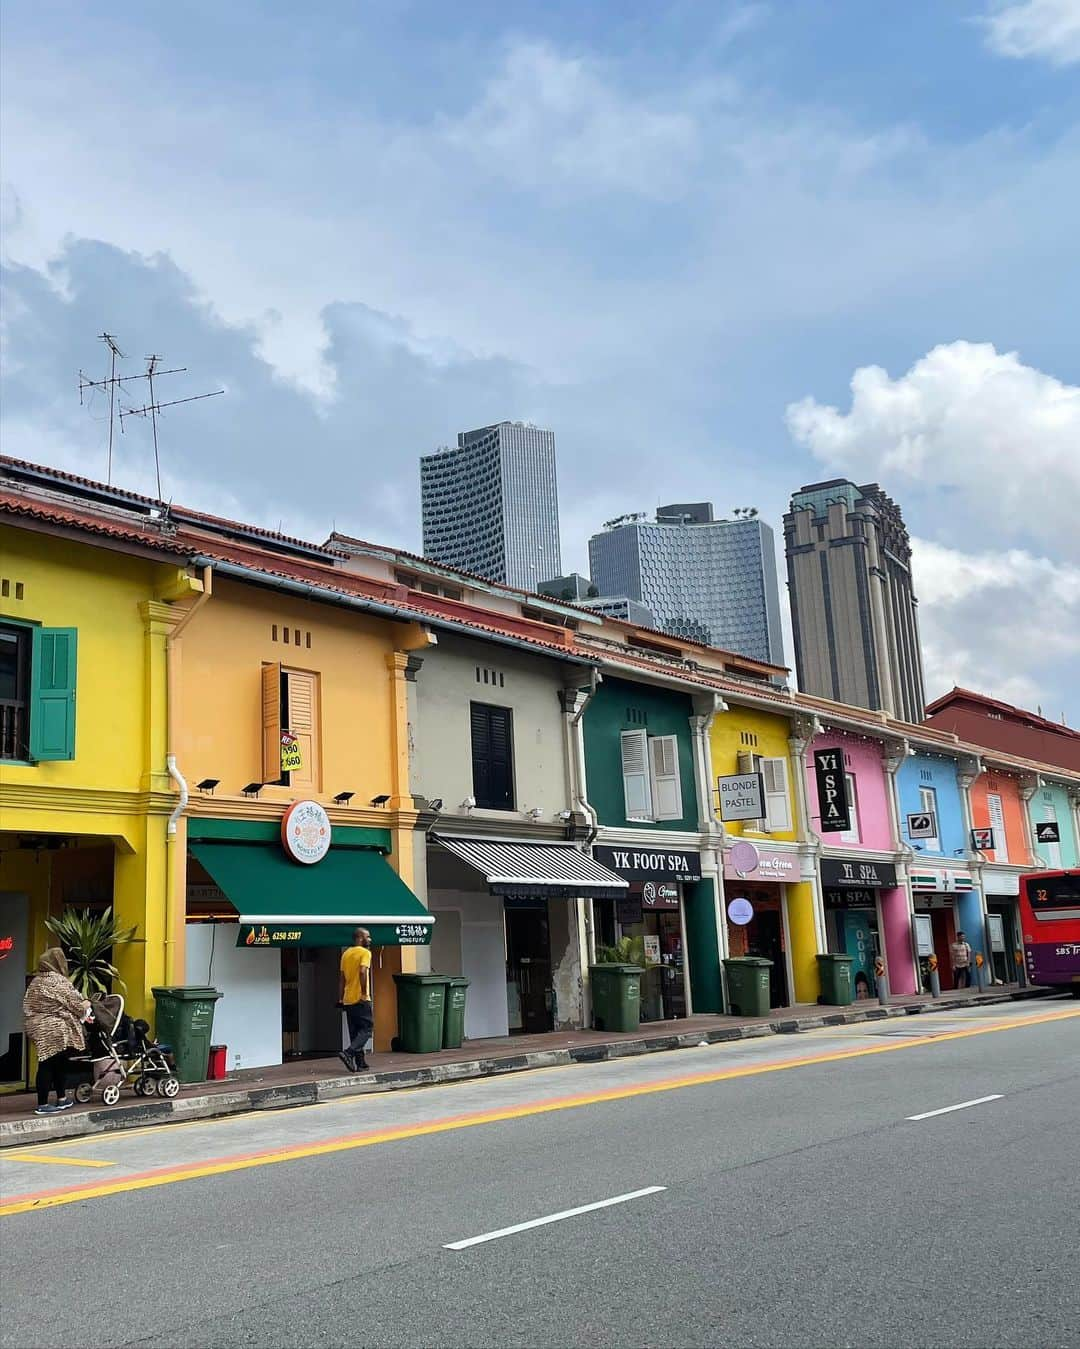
x=940, y=874
x=1050, y=804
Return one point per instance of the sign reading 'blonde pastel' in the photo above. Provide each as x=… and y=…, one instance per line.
x=305, y=832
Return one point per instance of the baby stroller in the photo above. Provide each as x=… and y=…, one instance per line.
x=121, y=1053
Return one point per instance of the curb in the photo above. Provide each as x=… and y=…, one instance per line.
x=109, y=1120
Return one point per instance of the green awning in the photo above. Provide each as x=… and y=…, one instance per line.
x=282, y=903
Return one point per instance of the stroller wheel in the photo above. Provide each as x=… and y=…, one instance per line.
x=169, y=1086
x=110, y=1094
x=84, y=1092
x=144, y=1086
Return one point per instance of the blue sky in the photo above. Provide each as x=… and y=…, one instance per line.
x=723, y=249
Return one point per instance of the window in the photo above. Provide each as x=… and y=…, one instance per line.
x=851, y=835
x=775, y=780
x=37, y=693
x=997, y=824
x=290, y=703
x=928, y=806
x=492, y=756
x=1051, y=852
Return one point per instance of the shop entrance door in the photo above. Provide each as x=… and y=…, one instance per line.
x=528, y=964
x=767, y=939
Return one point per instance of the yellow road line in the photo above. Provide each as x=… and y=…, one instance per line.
x=56, y=1161
x=269, y=1157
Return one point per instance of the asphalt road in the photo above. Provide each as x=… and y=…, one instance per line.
x=800, y=1205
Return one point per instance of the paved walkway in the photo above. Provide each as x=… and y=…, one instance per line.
x=309, y=1080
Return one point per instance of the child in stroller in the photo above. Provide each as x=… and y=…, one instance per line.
x=119, y=1052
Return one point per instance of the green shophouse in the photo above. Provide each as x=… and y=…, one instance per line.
x=646, y=770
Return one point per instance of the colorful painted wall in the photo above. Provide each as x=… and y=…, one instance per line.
x=746, y=730
x=996, y=804
x=930, y=772
x=862, y=760
x=1051, y=802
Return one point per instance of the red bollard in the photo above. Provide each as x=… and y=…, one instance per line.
x=216, y=1070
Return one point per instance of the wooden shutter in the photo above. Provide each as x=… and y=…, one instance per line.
x=634, y=746
x=271, y=722
x=777, y=803
x=666, y=784
x=52, y=693
x=493, y=757
x=748, y=762
x=997, y=824
x=303, y=705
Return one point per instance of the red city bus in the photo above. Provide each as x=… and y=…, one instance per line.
x=1050, y=924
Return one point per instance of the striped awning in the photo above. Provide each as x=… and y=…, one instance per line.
x=537, y=870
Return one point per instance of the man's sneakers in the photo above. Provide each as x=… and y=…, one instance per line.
x=65, y=1103
x=349, y=1060
x=45, y=1109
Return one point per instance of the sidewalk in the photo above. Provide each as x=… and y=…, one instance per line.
x=306, y=1081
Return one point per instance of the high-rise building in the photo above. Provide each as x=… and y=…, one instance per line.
x=713, y=581
x=491, y=505
x=853, y=606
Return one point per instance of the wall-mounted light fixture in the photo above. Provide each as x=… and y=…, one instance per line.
x=379, y=800
x=565, y=815
x=252, y=789
x=207, y=785
x=469, y=803
x=436, y=804
x=343, y=798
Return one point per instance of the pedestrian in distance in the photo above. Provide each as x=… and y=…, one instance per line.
x=54, y=1011
x=354, y=994
x=960, y=953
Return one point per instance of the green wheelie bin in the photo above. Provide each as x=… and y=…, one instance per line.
x=185, y=1022
x=835, y=974
x=748, y=985
x=454, y=1012
x=421, y=1009
x=616, y=996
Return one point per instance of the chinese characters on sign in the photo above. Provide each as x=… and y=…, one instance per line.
x=305, y=832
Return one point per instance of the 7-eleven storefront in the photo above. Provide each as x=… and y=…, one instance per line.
x=267, y=930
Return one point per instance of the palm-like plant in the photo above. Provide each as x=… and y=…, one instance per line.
x=88, y=939
x=626, y=951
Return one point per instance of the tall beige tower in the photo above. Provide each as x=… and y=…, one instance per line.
x=853, y=606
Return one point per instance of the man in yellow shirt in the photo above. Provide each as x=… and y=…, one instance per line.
x=354, y=994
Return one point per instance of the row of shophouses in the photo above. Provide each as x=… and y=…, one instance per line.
x=496, y=783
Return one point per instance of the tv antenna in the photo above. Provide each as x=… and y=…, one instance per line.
x=151, y=408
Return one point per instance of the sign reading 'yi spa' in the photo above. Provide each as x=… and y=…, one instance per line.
x=832, y=791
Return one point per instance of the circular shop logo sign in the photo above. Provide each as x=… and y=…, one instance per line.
x=740, y=911
x=744, y=858
x=305, y=832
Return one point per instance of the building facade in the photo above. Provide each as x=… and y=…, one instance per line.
x=854, y=613
x=491, y=504
x=711, y=581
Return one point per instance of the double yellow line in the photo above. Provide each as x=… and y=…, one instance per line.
x=147, y=1180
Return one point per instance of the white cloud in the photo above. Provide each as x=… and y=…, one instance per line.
x=1002, y=437
x=548, y=118
x=1044, y=29
x=1003, y=623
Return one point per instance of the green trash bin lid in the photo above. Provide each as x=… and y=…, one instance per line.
x=834, y=958
x=754, y=961
x=616, y=969
x=422, y=978
x=188, y=992
x=457, y=981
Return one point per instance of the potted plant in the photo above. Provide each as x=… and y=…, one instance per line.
x=626, y=951
x=88, y=939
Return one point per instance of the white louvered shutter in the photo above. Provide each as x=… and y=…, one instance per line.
x=997, y=824
x=666, y=787
x=747, y=762
x=635, y=773
x=777, y=805
x=1051, y=851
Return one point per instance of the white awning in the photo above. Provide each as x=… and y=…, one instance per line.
x=540, y=870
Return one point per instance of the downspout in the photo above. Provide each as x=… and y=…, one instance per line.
x=183, y=796
x=575, y=745
x=701, y=724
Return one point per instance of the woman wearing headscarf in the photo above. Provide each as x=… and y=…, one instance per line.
x=54, y=1011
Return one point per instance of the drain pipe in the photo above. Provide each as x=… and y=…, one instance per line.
x=174, y=861
x=575, y=747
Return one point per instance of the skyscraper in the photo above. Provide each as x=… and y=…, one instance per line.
x=713, y=581
x=491, y=505
x=853, y=606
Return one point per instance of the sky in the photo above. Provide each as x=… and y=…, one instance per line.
x=723, y=248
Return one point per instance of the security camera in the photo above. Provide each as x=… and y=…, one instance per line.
x=535, y=813
x=469, y=803
x=565, y=815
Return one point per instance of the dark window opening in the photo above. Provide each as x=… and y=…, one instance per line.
x=14, y=693
x=492, y=756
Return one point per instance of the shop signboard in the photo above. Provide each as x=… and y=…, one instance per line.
x=659, y=895
x=1047, y=831
x=305, y=832
x=741, y=796
x=924, y=934
x=922, y=825
x=831, y=780
x=839, y=874
x=744, y=861
x=982, y=840
x=332, y=934
x=292, y=756
x=850, y=899
x=942, y=882
x=1005, y=883
x=740, y=911
x=640, y=864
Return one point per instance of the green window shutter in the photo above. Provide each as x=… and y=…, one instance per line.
x=52, y=694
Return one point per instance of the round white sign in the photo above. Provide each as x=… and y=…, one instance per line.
x=305, y=832
x=740, y=911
